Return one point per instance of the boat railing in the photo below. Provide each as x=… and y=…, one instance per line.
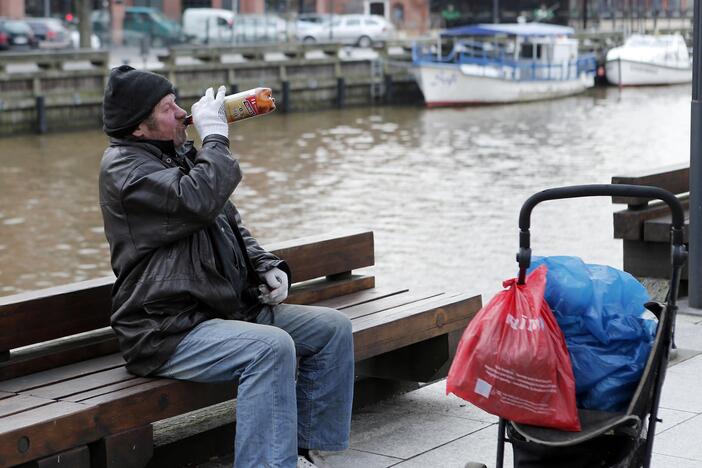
x=498, y=63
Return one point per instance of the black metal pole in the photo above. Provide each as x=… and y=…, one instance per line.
x=695, y=228
x=495, y=11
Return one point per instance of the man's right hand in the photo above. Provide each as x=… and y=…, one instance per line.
x=208, y=114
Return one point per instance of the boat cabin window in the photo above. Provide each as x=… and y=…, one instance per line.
x=527, y=51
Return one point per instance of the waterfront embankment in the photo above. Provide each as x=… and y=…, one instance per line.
x=63, y=90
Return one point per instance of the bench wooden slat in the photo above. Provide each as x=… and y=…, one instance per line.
x=629, y=224
x=84, y=395
x=29, y=318
x=658, y=229
x=27, y=361
x=88, y=382
x=319, y=256
x=19, y=403
x=382, y=332
x=674, y=178
x=385, y=303
x=36, y=429
x=323, y=289
x=155, y=400
x=350, y=300
x=62, y=373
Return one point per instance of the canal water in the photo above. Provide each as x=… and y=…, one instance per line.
x=440, y=188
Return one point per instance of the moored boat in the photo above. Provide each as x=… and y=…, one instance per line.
x=502, y=63
x=649, y=60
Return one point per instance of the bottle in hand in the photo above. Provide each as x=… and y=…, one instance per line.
x=250, y=103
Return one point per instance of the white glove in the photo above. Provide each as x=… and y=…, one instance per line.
x=276, y=290
x=208, y=114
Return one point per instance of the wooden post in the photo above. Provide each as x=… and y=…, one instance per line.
x=340, y=92
x=285, y=99
x=41, y=114
x=388, y=88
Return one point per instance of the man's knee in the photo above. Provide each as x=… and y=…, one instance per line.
x=339, y=325
x=277, y=345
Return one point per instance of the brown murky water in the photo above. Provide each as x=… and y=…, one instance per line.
x=441, y=188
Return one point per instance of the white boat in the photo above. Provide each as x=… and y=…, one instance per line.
x=503, y=63
x=649, y=60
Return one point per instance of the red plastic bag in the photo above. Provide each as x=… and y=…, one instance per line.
x=512, y=359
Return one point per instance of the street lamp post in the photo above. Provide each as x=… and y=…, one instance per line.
x=694, y=263
x=495, y=11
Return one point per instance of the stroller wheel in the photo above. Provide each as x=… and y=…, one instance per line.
x=475, y=465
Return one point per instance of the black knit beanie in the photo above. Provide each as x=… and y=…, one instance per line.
x=130, y=97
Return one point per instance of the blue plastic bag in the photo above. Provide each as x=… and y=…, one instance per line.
x=599, y=309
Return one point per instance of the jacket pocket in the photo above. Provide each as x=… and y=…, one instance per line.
x=171, y=305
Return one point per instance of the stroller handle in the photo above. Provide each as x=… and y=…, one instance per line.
x=598, y=190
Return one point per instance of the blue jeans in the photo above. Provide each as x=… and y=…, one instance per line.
x=275, y=414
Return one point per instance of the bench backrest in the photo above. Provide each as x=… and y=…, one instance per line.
x=45, y=318
x=673, y=178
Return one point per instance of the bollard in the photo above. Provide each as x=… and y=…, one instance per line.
x=41, y=114
x=340, y=92
x=388, y=88
x=233, y=88
x=285, y=98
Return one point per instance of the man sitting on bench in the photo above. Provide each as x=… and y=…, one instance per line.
x=196, y=298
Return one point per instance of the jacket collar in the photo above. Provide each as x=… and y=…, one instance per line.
x=163, y=150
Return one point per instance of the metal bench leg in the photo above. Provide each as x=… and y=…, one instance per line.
x=133, y=448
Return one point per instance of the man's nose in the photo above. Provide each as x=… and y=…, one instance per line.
x=180, y=112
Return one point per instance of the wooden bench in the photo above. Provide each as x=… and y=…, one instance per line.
x=67, y=400
x=644, y=225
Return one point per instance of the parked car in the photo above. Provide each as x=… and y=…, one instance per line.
x=141, y=22
x=361, y=30
x=50, y=32
x=209, y=25
x=260, y=28
x=310, y=29
x=16, y=35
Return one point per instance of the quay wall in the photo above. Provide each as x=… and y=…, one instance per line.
x=60, y=91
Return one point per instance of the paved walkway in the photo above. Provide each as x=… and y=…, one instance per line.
x=427, y=429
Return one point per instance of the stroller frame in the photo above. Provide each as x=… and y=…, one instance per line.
x=646, y=398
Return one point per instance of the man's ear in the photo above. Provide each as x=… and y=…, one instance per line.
x=139, y=131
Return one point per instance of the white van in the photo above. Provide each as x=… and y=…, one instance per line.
x=209, y=25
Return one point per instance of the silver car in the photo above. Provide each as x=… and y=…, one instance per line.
x=360, y=30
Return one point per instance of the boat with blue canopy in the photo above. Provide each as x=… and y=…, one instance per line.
x=502, y=63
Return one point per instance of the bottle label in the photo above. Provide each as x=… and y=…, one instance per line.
x=240, y=107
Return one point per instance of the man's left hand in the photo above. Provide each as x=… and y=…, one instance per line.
x=277, y=282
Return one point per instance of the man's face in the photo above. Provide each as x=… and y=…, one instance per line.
x=164, y=123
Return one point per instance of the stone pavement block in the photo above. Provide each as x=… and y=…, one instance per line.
x=479, y=447
x=671, y=418
x=433, y=399
x=681, y=386
x=404, y=435
x=682, y=440
x=688, y=332
x=356, y=459
x=665, y=461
